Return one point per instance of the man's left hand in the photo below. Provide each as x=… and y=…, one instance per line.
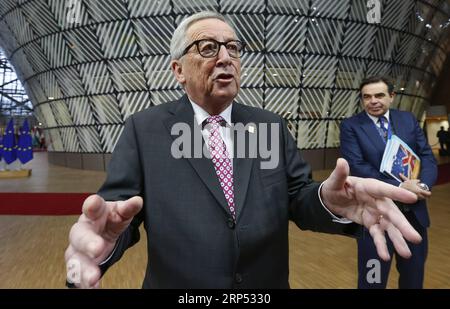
x=368, y=202
x=413, y=186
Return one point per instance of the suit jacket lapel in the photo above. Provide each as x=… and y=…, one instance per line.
x=371, y=131
x=398, y=129
x=183, y=113
x=241, y=166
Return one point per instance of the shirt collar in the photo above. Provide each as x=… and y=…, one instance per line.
x=375, y=119
x=201, y=115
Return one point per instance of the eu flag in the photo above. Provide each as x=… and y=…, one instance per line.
x=25, y=149
x=1, y=147
x=9, y=144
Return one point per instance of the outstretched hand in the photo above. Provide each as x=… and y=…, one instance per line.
x=368, y=202
x=93, y=237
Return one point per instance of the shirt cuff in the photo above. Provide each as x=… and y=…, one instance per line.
x=335, y=218
x=111, y=254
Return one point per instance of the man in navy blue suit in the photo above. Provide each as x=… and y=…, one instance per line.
x=363, y=140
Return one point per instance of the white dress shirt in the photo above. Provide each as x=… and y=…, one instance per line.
x=377, y=123
x=225, y=131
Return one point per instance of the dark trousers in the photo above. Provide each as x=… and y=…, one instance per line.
x=411, y=270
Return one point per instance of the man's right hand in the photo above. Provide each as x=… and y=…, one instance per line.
x=93, y=237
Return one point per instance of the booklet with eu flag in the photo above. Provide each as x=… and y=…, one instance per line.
x=399, y=158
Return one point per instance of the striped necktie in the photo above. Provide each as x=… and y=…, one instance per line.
x=383, y=130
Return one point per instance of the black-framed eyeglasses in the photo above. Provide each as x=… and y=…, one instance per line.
x=209, y=48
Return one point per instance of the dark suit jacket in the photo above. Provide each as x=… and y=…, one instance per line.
x=363, y=147
x=192, y=240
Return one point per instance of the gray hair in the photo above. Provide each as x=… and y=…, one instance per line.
x=180, y=40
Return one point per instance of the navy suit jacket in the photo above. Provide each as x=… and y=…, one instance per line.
x=192, y=240
x=363, y=147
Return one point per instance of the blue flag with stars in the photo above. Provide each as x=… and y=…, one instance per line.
x=1, y=147
x=25, y=147
x=9, y=144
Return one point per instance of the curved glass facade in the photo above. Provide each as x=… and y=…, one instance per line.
x=88, y=64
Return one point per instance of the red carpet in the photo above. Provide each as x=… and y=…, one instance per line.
x=443, y=174
x=53, y=204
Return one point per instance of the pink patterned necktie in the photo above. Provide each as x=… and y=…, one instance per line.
x=221, y=161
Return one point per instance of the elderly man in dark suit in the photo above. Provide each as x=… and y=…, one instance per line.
x=218, y=220
x=363, y=140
